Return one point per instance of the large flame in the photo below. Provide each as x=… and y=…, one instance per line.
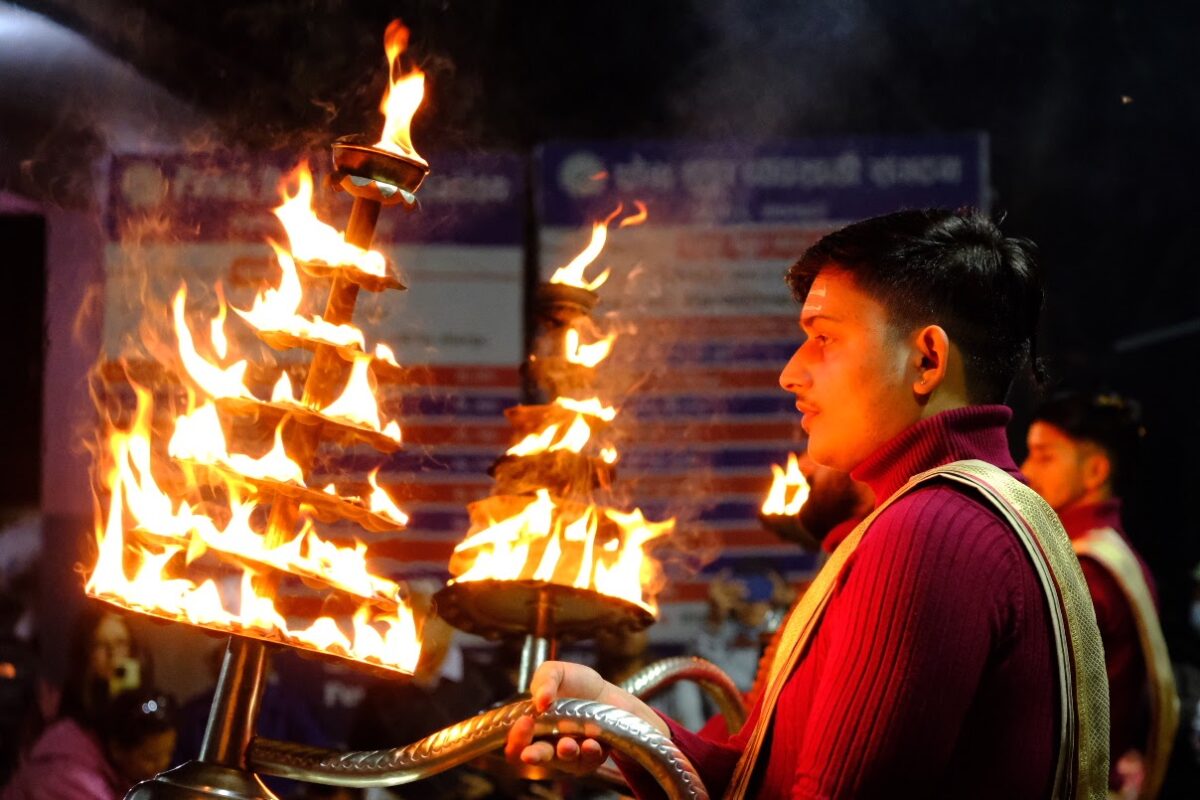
x=200, y=496
x=565, y=543
x=310, y=239
x=150, y=575
x=403, y=96
x=276, y=310
x=789, y=490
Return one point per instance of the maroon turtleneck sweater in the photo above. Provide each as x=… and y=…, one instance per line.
x=1129, y=711
x=931, y=673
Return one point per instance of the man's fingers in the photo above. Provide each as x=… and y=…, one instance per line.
x=538, y=753
x=520, y=736
x=567, y=749
x=545, y=684
x=591, y=754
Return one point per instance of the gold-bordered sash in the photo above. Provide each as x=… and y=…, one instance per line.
x=1082, y=758
x=1111, y=551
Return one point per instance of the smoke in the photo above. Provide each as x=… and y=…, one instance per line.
x=774, y=68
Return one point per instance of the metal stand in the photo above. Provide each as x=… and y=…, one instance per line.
x=221, y=771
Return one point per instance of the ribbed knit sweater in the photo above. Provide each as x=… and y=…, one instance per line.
x=931, y=673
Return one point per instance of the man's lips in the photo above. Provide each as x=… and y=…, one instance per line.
x=805, y=408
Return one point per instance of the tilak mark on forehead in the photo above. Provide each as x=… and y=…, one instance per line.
x=816, y=297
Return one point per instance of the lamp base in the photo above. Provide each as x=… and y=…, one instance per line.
x=197, y=780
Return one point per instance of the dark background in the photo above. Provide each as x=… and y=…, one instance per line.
x=1091, y=107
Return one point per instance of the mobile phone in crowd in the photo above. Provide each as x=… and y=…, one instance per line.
x=126, y=675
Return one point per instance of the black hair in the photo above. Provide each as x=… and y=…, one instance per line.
x=1107, y=420
x=136, y=715
x=955, y=269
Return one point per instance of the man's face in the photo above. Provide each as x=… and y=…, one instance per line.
x=1055, y=466
x=852, y=377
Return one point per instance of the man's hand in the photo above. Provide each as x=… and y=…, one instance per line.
x=576, y=752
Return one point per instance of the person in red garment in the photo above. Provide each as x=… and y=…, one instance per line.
x=948, y=647
x=1082, y=455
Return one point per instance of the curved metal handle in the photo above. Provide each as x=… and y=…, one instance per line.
x=620, y=730
x=660, y=675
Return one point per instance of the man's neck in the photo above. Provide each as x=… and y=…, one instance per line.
x=1089, y=498
x=942, y=401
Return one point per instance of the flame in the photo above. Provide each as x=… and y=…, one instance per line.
x=789, y=490
x=558, y=542
x=586, y=355
x=403, y=95
x=538, y=442
x=592, y=407
x=310, y=239
x=149, y=580
x=635, y=219
x=217, y=328
x=214, y=380
x=609, y=455
x=198, y=437
x=380, y=502
x=572, y=273
x=386, y=354
x=276, y=310
x=357, y=403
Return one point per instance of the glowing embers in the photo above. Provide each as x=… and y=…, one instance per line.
x=789, y=490
x=562, y=542
x=150, y=542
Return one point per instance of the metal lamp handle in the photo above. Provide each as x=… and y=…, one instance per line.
x=657, y=677
x=620, y=730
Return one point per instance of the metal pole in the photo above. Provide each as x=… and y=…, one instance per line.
x=235, y=704
x=540, y=645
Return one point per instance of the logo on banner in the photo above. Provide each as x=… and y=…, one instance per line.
x=583, y=175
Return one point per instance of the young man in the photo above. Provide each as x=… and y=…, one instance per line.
x=947, y=648
x=1082, y=449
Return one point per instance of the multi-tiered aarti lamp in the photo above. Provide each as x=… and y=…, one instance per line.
x=194, y=528
x=546, y=557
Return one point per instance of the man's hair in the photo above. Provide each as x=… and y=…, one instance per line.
x=1109, y=421
x=949, y=268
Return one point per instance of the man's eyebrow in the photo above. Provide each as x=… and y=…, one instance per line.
x=809, y=319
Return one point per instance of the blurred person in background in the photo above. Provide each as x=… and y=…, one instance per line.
x=1082, y=456
x=20, y=687
x=129, y=740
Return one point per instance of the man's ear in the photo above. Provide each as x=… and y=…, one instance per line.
x=931, y=359
x=1097, y=470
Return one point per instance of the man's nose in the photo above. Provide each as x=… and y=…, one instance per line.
x=794, y=376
